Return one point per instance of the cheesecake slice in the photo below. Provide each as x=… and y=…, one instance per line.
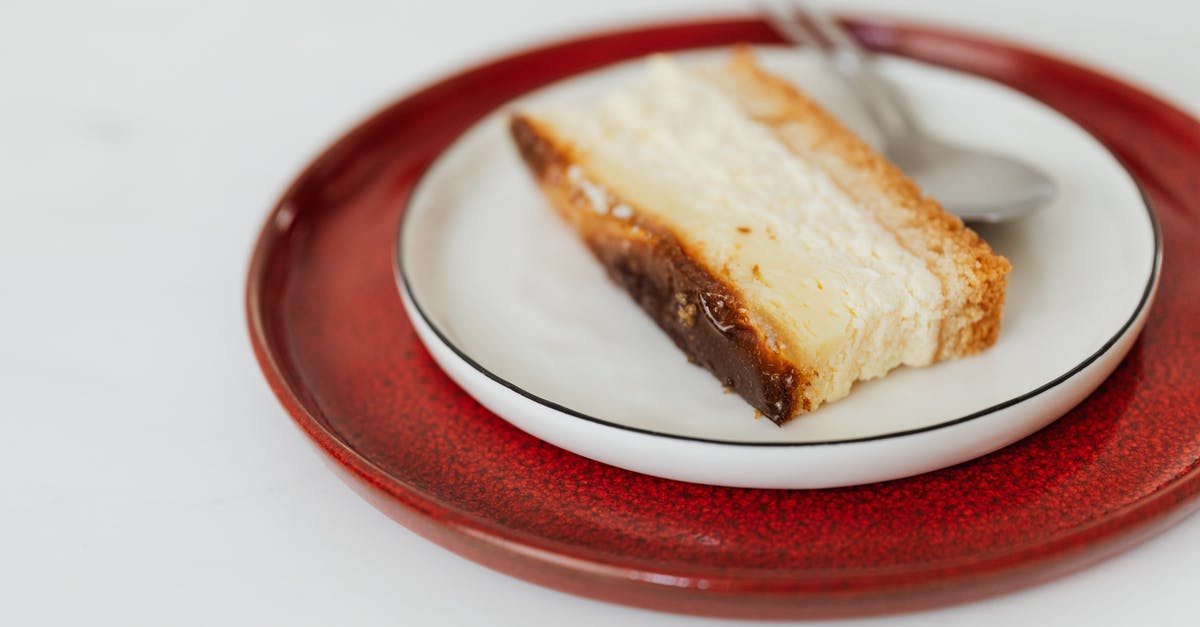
x=773, y=246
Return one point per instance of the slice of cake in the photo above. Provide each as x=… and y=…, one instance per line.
x=773, y=246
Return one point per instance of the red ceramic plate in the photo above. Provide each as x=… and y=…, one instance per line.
x=332, y=337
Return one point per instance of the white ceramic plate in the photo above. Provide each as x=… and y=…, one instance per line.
x=515, y=310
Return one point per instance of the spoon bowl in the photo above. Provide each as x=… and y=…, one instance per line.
x=976, y=186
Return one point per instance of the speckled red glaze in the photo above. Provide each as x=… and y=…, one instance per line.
x=331, y=335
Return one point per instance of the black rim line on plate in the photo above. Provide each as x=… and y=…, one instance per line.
x=401, y=276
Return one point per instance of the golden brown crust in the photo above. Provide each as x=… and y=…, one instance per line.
x=974, y=278
x=703, y=314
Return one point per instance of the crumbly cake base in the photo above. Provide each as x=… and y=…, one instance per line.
x=706, y=317
x=705, y=314
x=974, y=279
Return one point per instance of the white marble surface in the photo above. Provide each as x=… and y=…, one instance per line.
x=147, y=474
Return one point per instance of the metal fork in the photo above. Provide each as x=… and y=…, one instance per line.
x=972, y=184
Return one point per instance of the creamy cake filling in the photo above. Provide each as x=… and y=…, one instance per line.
x=833, y=286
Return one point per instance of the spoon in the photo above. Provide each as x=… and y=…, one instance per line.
x=976, y=186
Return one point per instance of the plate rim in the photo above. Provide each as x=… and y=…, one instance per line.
x=404, y=285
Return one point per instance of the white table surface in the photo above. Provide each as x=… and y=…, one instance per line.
x=147, y=474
